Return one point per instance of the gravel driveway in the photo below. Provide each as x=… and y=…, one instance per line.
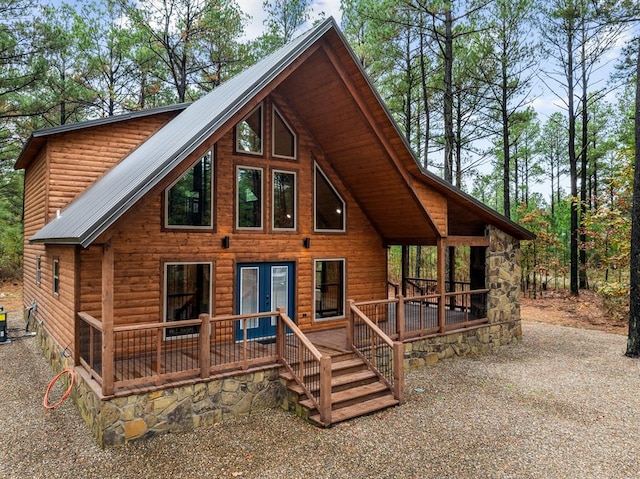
x=564, y=403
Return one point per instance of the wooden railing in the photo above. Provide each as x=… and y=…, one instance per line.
x=379, y=351
x=404, y=318
x=311, y=369
x=143, y=354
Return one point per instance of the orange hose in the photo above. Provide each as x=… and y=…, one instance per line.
x=66, y=394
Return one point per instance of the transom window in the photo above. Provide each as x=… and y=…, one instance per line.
x=187, y=294
x=329, y=288
x=284, y=200
x=56, y=276
x=189, y=200
x=329, y=205
x=284, y=139
x=249, y=197
x=249, y=132
x=38, y=269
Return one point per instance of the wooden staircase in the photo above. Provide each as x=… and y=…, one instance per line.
x=356, y=391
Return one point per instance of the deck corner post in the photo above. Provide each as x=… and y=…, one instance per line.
x=325, y=390
x=205, y=341
x=108, y=356
x=400, y=317
x=441, y=288
x=398, y=370
x=350, y=324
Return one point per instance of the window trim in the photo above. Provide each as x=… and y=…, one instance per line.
x=262, y=139
x=295, y=200
x=55, y=276
x=275, y=111
x=344, y=290
x=166, y=224
x=237, y=202
x=165, y=265
x=38, y=269
x=315, y=205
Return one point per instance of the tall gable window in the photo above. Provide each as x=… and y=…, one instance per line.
x=284, y=200
x=329, y=205
x=284, y=139
x=249, y=198
x=249, y=133
x=189, y=200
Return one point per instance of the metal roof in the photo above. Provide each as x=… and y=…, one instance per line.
x=93, y=212
x=38, y=137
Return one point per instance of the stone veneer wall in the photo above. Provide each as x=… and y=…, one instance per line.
x=503, y=314
x=121, y=420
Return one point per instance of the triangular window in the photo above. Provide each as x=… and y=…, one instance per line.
x=329, y=205
x=249, y=133
x=284, y=139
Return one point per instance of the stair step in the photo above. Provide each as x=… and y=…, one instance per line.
x=351, y=394
x=360, y=409
x=336, y=381
x=336, y=366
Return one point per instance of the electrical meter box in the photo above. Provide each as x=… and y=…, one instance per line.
x=4, y=336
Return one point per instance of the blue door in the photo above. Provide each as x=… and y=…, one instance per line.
x=263, y=287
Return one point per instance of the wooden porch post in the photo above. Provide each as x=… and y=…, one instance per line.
x=325, y=389
x=452, y=276
x=281, y=334
x=400, y=317
x=107, y=320
x=205, y=345
x=398, y=370
x=405, y=269
x=441, y=284
x=350, y=326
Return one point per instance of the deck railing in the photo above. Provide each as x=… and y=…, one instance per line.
x=377, y=349
x=311, y=369
x=403, y=318
x=143, y=354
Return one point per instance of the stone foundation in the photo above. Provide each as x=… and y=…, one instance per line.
x=122, y=420
x=428, y=351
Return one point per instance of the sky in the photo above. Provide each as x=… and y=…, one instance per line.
x=254, y=8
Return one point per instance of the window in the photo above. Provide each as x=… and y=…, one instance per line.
x=249, y=133
x=329, y=288
x=329, y=206
x=56, y=276
x=249, y=198
x=187, y=294
x=38, y=269
x=284, y=139
x=284, y=200
x=189, y=200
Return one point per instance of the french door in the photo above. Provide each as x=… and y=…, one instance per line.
x=263, y=287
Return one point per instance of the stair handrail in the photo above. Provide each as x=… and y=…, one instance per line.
x=396, y=346
x=323, y=403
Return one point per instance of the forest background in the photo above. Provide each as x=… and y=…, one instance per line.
x=528, y=105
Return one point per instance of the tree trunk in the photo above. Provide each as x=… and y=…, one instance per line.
x=506, y=146
x=448, y=96
x=583, y=169
x=573, y=171
x=633, y=341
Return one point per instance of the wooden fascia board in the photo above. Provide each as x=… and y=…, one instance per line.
x=466, y=241
x=377, y=130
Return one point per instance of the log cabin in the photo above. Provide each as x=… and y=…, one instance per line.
x=214, y=258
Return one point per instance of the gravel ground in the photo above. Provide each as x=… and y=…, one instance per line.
x=564, y=403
